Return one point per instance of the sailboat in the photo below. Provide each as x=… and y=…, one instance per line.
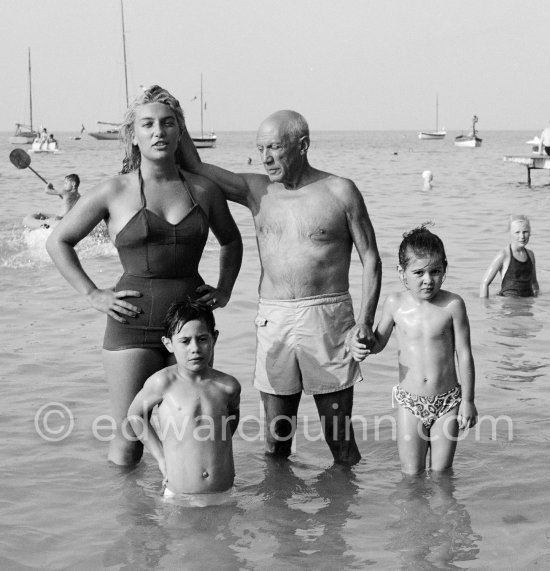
x=437, y=134
x=25, y=134
x=470, y=140
x=204, y=141
x=112, y=130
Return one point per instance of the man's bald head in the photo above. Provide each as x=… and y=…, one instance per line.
x=288, y=123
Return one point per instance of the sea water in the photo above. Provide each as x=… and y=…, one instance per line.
x=64, y=507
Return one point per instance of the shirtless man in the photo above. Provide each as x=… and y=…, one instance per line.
x=307, y=222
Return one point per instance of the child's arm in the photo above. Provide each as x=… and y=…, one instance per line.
x=359, y=350
x=467, y=413
x=534, y=281
x=492, y=271
x=139, y=417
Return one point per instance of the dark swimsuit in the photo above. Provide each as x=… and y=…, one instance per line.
x=518, y=279
x=161, y=261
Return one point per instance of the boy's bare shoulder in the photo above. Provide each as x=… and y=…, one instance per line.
x=162, y=380
x=225, y=381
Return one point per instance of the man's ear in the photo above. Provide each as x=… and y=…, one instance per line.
x=167, y=343
x=216, y=334
x=304, y=145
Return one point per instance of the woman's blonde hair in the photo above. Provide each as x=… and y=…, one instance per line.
x=153, y=94
x=518, y=218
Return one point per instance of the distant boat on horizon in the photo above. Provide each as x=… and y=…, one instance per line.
x=113, y=131
x=25, y=134
x=470, y=140
x=78, y=137
x=204, y=141
x=437, y=134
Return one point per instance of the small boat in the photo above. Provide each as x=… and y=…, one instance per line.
x=44, y=146
x=78, y=137
x=112, y=132
x=470, y=140
x=204, y=141
x=108, y=134
x=437, y=134
x=44, y=143
x=25, y=134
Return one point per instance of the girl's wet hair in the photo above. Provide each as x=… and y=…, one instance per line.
x=422, y=244
x=153, y=94
x=181, y=312
x=518, y=218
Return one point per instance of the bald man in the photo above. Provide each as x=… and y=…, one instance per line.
x=307, y=222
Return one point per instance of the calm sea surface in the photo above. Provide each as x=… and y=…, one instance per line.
x=64, y=507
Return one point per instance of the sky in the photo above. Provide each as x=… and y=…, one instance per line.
x=343, y=64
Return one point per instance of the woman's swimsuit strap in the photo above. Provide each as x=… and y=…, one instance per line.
x=186, y=186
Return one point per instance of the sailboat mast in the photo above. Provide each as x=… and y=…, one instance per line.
x=124, y=51
x=30, y=88
x=202, y=109
x=437, y=113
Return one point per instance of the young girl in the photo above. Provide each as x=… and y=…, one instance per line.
x=432, y=327
x=515, y=263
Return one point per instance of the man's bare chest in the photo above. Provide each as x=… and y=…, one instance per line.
x=295, y=217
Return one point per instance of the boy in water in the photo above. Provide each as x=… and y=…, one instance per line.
x=515, y=263
x=198, y=408
x=432, y=327
x=69, y=194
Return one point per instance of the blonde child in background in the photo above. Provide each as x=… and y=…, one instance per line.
x=515, y=263
x=432, y=329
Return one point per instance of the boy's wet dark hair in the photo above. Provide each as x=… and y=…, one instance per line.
x=74, y=178
x=181, y=312
x=423, y=244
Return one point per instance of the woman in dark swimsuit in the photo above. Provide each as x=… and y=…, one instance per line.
x=158, y=217
x=515, y=263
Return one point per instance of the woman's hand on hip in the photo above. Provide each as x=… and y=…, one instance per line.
x=112, y=303
x=212, y=297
